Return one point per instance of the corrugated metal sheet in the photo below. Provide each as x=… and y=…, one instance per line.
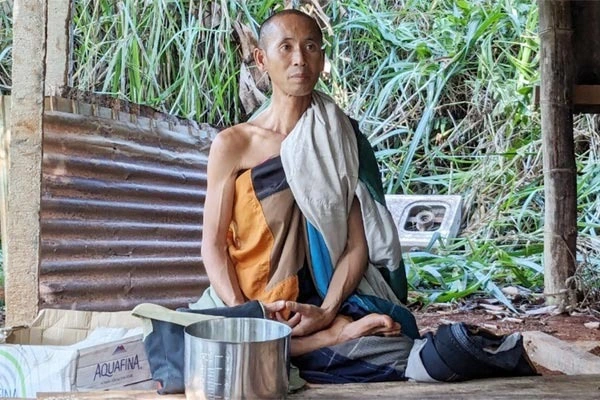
x=121, y=213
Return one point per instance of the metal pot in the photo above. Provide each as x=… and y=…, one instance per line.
x=237, y=358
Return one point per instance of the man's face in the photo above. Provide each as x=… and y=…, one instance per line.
x=291, y=55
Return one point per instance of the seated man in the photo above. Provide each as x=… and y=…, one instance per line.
x=295, y=218
x=295, y=211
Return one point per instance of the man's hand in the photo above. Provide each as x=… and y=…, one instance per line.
x=308, y=318
x=274, y=310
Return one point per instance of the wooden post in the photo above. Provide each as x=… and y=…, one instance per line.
x=4, y=129
x=58, y=53
x=34, y=25
x=25, y=161
x=560, y=189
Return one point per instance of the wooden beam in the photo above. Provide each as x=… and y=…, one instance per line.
x=58, y=52
x=558, y=355
x=586, y=99
x=581, y=387
x=586, y=94
x=25, y=161
x=556, y=100
x=111, y=395
x=586, y=15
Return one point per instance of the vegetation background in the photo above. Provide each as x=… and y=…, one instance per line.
x=443, y=89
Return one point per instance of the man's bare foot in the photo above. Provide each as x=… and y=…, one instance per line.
x=343, y=329
x=370, y=325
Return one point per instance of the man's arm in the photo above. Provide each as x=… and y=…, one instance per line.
x=346, y=277
x=218, y=206
x=352, y=264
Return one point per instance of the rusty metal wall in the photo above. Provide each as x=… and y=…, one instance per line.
x=121, y=210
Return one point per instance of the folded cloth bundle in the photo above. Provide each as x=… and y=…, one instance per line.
x=459, y=352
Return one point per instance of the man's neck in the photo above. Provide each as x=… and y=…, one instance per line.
x=284, y=112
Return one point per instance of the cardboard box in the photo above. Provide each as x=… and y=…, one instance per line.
x=65, y=350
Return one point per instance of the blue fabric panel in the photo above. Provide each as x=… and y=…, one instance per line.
x=322, y=267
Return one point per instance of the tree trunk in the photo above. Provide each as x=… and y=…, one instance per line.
x=560, y=185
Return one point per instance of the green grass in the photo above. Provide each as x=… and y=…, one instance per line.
x=442, y=88
x=5, y=45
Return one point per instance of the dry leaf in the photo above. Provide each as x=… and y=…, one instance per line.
x=514, y=320
x=446, y=321
x=492, y=307
x=592, y=325
x=250, y=96
x=510, y=291
x=440, y=305
x=491, y=326
x=489, y=301
x=248, y=42
x=322, y=16
x=210, y=18
x=542, y=310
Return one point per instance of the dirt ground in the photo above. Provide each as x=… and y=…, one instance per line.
x=563, y=326
x=578, y=326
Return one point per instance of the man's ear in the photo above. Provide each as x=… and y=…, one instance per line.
x=259, y=58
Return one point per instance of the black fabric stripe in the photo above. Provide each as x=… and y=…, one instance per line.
x=269, y=178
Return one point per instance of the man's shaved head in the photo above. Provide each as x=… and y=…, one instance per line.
x=267, y=25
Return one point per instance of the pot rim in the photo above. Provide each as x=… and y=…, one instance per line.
x=222, y=320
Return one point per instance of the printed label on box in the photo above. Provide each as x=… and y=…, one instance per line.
x=115, y=365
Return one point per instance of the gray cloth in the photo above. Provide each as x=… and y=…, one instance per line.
x=378, y=350
x=415, y=370
x=209, y=299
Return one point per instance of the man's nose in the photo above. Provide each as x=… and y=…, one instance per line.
x=298, y=57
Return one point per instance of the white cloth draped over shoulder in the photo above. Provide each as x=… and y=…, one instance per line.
x=321, y=162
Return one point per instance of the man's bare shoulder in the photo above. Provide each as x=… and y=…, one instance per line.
x=241, y=147
x=234, y=138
